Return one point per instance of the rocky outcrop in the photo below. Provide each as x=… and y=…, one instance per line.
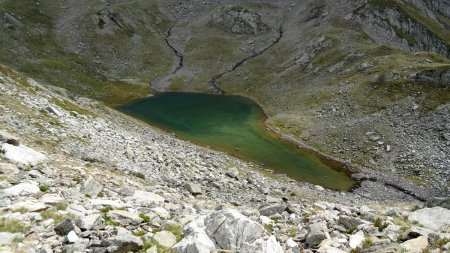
x=240, y=20
x=387, y=24
x=433, y=218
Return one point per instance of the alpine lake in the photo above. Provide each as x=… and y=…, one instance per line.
x=235, y=125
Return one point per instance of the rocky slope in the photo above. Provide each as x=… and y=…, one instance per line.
x=77, y=176
x=362, y=81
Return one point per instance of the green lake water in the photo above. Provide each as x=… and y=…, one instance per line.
x=235, y=125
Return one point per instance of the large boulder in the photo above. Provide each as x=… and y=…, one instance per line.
x=24, y=188
x=230, y=229
x=225, y=230
x=22, y=154
x=195, y=239
x=91, y=187
x=124, y=241
x=434, y=218
x=317, y=233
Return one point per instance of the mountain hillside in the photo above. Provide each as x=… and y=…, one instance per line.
x=329, y=74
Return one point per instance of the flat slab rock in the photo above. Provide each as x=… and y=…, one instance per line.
x=433, y=218
x=22, y=154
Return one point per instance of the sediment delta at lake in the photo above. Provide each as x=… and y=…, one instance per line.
x=236, y=125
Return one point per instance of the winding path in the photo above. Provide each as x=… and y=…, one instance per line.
x=213, y=82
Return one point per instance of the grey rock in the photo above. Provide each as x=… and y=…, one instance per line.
x=194, y=189
x=6, y=137
x=88, y=222
x=230, y=229
x=124, y=241
x=65, y=227
x=125, y=217
x=317, y=233
x=91, y=187
x=349, y=222
x=8, y=169
x=270, y=210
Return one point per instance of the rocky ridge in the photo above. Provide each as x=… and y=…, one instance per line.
x=77, y=176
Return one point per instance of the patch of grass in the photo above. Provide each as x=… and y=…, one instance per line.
x=356, y=250
x=52, y=213
x=177, y=230
x=293, y=233
x=268, y=227
x=367, y=243
x=138, y=175
x=140, y=233
x=380, y=224
x=43, y=188
x=145, y=218
x=21, y=210
x=61, y=206
x=13, y=226
x=439, y=244
x=110, y=221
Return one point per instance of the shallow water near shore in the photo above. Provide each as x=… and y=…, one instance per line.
x=235, y=125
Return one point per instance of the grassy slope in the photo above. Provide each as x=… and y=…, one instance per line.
x=38, y=47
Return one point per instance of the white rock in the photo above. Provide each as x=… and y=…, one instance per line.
x=356, y=240
x=31, y=206
x=416, y=245
x=270, y=245
x=230, y=229
x=165, y=239
x=161, y=212
x=291, y=243
x=434, y=218
x=25, y=188
x=146, y=198
x=107, y=202
x=51, y=199
x=72, y=237
x=54, y=111
x=88, y=222
x=125, y=217
x=6, y=238
x=22, y=154
x=8, y=169
x=195, y=240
